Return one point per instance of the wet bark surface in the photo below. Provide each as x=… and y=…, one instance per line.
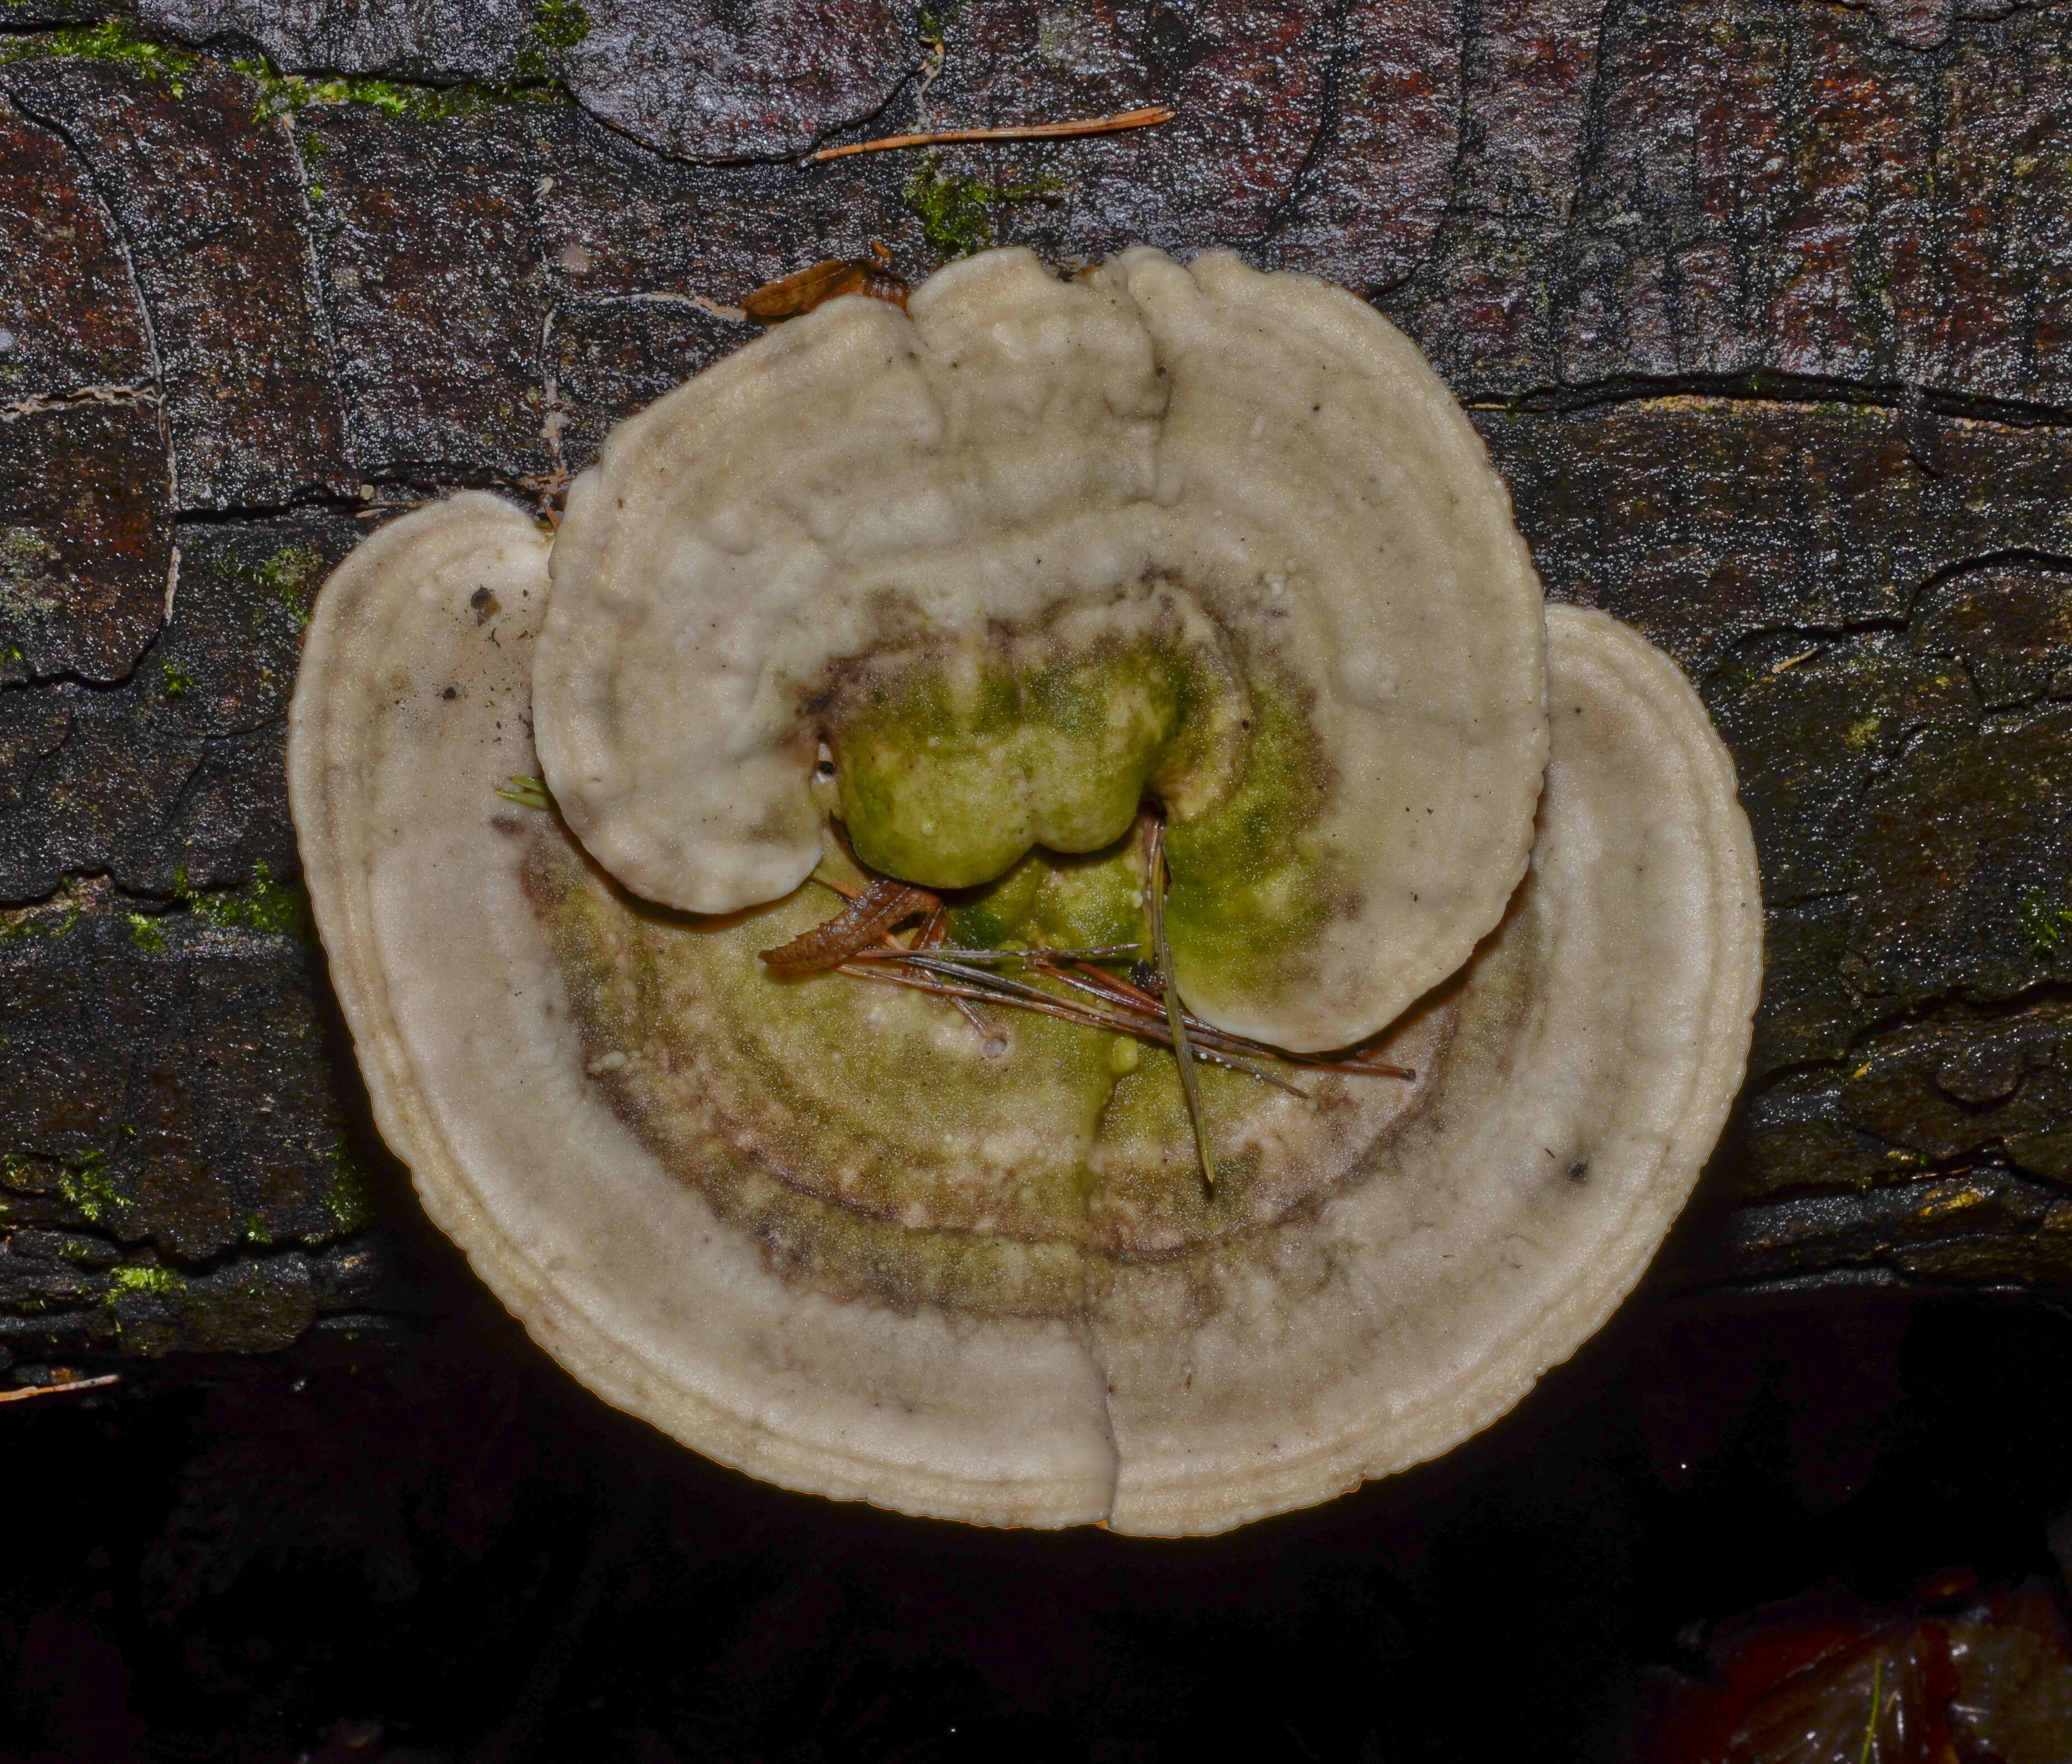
x=1763, y=307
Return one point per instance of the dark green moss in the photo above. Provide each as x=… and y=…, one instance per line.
x=2045, y=923
x=956, y=213
x=83, y=1181
x=115, y=41
x=262, y=905
x=143, y=1277
x=557, y=26
x=288, y=94
x=287, y=574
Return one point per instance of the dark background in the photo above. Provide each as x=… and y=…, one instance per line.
x=1764, y=308
x=446, y=1549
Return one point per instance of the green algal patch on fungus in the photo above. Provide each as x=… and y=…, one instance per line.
x=949, y=773
x=1245, y=893
x=115, y=42
x=1049, y=901
x=956, y=213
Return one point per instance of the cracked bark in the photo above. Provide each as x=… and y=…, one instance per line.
x=1766, y=315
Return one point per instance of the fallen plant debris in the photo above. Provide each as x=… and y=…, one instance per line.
x=530, y=794
x=858, y=942
x=28, y=1390
x=1959, y=1671
x=884, y=904
x=1147, y=116
x=789, y=297
x=1176, y=1017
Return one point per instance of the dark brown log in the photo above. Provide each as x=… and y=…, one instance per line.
x=1764, y=311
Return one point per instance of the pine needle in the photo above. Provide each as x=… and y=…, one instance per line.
x=966, y=978
x=976, y=958
x=987, y=988
x=1176, y=1016
x=530, y=793
x=1149, y=117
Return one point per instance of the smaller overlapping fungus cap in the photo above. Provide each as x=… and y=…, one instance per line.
x=1031, y=552
x=830, y=1232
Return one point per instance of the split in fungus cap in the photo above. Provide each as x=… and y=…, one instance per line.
x=1008, y=567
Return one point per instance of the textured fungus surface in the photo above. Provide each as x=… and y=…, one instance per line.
x=1759, y=308
x=1033, y=551
x=835, y=1237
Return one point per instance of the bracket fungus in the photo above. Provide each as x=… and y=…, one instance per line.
x=938, y=610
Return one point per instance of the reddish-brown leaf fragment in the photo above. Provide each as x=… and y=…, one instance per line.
x=859, y=924
x=789, y=296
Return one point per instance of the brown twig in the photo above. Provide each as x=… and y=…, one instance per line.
x=1121, y=989
x=28, y=1390
x=1150, y=117
x=1204, y=1038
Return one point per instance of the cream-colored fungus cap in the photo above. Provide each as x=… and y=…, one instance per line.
x=1032, y=549
x=817, y=1230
